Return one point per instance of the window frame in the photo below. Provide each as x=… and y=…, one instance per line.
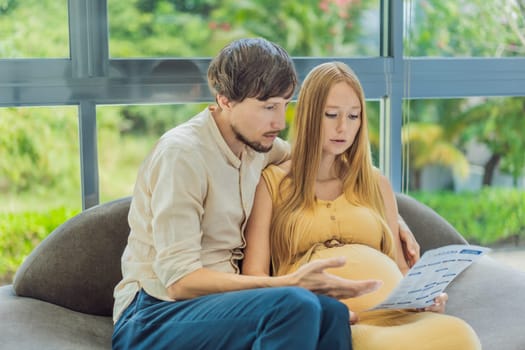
x=90, y=78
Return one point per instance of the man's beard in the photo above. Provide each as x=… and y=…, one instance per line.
x=256, y=146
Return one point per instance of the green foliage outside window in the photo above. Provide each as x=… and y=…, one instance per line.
x=21, y=232
x=33, y=29
x=443, y=29
x=33, y=143
x=484, y=217
x=201, y=28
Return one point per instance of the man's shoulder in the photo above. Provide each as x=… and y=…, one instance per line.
x=282, y=145
x=187, y=136
x=279, y=153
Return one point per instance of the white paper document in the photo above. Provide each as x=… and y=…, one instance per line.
x=431, y=275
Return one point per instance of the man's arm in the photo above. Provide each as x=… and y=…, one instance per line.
x=178, y=192
x=257, y=260
x=310, y=276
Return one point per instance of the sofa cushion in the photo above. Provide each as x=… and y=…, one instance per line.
x=78, y=264
x=488, y=296
x=27, y=323
x=87, y=266
x=484, y=295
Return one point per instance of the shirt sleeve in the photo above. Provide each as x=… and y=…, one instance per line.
x=279, y=152
x=178, y=189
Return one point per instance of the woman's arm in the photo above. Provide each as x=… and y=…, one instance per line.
x=411, y=248
x=392, y=217
x=257, y=233
x=393, y=222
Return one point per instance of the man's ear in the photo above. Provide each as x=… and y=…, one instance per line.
x=224, y=102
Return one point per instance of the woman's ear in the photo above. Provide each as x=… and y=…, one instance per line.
x=224, y=102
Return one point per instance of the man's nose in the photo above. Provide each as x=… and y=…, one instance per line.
x=279, y=121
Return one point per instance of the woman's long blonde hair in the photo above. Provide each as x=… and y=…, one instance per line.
x=354, y=166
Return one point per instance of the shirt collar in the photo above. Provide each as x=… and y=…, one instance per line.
x=221, y=143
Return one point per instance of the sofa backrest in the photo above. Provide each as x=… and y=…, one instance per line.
x=430, y=229
x=78, y=264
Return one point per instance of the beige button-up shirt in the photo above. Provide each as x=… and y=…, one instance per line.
x=190, y=204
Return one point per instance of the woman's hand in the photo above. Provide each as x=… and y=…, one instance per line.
x=353, y=317
x=439, y=304
x=409, y=243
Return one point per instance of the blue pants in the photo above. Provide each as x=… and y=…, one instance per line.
x=269, y=318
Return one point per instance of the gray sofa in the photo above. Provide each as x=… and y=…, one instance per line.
x=61, y=296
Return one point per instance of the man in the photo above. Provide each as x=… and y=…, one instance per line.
x=194, y=192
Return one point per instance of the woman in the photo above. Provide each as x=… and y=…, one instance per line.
x=329, y=200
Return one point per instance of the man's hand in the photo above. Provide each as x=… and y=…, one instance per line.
x=410, y=246
x=313, y=277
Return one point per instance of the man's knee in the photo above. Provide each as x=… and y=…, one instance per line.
x=293, y=298
x=334, y=308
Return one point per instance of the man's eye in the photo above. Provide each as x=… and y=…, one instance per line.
x=330, y=115
x=269, y=107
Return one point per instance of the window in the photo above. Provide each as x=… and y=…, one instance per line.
x=202, y=27
x=137, y=66
x=40, y=149
x=465, y=160
x=126, y=134
x=39, y=178
x=34, y=28
x=465, y=28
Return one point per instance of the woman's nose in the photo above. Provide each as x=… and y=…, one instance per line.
x=341, y=124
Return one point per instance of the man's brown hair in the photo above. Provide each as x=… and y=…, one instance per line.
x=252, y=68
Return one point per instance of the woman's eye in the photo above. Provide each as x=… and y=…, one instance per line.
x=330, y=115
x=353, y=116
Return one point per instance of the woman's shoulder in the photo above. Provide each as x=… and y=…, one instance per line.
x=383, y=181
x=279, y=169
x=285, y=166
x=273, y=176
x=378, y=175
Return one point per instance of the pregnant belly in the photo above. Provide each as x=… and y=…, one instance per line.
x=363, y=262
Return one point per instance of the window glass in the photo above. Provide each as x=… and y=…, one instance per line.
x=465, y=160
x=126, y=134
x=202, y=27
x=34, y=28
x=465, y=28
x=373, y=114
x=39, y=178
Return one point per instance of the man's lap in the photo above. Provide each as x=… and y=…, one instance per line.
x=213, y=321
